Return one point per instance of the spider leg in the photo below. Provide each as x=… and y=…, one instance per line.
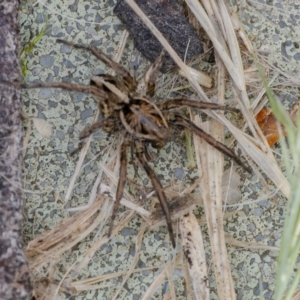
x=88, y=131
x=147, y=154
x=130, y=81
x=121, y=183
x=91, y=129
x=151, y=74
x=133, y=161
x=174, y=103
x=158, y=188
x=210, y=140
x=82, y=88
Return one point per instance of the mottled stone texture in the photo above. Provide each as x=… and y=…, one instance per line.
x=14, y=272
x=168, y=17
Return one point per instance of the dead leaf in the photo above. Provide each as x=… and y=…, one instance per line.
x=268, y=125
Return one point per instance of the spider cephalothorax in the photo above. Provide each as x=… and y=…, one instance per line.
x=141, y=120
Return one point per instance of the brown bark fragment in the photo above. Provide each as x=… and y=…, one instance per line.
x=168, y=17
x=14, y=271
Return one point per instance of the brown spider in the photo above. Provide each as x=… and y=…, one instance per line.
x=142, y=121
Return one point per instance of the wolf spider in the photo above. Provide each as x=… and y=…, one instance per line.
x=142, y=121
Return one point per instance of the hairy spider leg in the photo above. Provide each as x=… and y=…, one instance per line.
x=82, y=88
x=121, y=183
x=128, y=79
x=174, y=103
x=147, y=153
x=151, y=74
x=158, y=188
x=89, y=131
x=133, y=161
x=181, y=121
x=95, y=126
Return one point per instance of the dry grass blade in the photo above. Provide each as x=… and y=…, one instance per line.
x=90, y=253
x=193, y=248
x=138, y=246
x=234, y=48
x=200, y=77
x=238, y=27
x=178, y=206
x=168, y=269
x=104, y=189
x=189, y=289
x=92, y=197
x=210, y=164
x=94, y=283
x=215, y=24
x=79, y=163
x=248, y=245
x=64, y=236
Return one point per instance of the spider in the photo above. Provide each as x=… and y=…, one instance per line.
x=142, y=121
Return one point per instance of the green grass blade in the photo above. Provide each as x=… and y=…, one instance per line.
x=28, y=49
